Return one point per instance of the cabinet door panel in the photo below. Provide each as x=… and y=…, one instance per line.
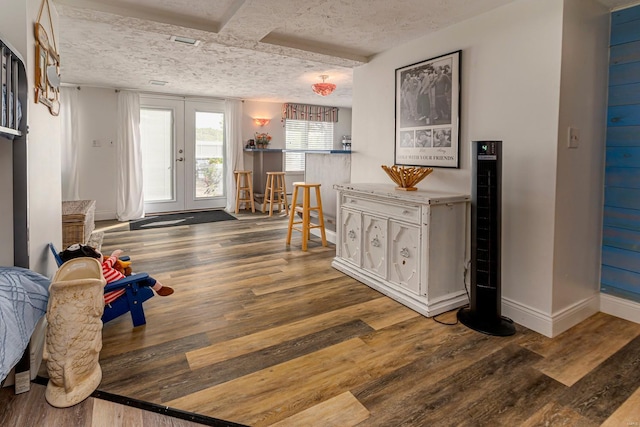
x=374, y=245
x=351, y=236
x=404, y=256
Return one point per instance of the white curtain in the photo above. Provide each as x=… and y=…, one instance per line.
x=130, y=197
x=70, y=145
x=234, y=154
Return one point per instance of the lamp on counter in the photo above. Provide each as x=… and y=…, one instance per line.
x=261, y=122
x=323, y=89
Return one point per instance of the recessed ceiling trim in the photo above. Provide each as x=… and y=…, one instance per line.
x=308, y=46
x=231, y=12
x=126, y=10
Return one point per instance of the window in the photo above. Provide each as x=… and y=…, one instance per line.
x=305, y=135
x=156, y=138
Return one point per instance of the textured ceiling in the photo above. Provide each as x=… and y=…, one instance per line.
x=267, y=50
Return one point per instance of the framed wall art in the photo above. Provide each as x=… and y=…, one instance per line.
x=427, y=113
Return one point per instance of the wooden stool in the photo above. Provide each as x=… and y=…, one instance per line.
x=275, y=192
x=305, y=209
x=244, y=184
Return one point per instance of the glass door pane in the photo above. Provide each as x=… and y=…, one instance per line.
x=205, y=152
x=156, y=134
x=209, y=155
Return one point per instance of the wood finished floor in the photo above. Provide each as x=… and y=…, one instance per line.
x=32, y=410
x=262, y=334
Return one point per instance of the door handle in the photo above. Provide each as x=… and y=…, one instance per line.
x=179, y=159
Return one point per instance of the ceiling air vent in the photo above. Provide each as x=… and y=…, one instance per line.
x=157, y=82
x=185, y=40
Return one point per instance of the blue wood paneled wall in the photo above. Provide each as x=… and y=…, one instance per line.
x=621, y=228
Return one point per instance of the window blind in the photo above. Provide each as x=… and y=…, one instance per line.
x=305, y=135
x=620, y=271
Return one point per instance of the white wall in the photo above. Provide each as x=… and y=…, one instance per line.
x=342, y=127
x=12, y=24
x=45, y=193
x=579, y=185
x=261, y=110
x=511, y=76
x=97, y=161
x=44, y=216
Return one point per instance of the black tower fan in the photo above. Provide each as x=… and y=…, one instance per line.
x=483, y=313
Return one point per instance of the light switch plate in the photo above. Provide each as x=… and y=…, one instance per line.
x=574, y=137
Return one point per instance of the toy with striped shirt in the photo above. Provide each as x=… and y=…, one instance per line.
x=110, y=273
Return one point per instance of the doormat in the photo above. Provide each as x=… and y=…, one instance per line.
x=184, y=218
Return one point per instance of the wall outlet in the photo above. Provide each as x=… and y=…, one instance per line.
x=573, y=137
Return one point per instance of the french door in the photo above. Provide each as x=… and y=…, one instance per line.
x=183, y=154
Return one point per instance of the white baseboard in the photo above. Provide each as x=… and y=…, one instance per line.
x=331, y=235
x=574, y=314
x=104, y=215
x=554, y=324
x=620, y=307
x=528, y=317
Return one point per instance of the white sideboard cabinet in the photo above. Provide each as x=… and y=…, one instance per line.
x=409, y=245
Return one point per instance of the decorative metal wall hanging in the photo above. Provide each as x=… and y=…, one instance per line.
x=47, y=88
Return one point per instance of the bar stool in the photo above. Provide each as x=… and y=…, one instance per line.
x=275, y=192
x=306, y=209
x=244, y=186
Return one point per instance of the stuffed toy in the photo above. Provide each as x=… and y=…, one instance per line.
x=123, y=267
x=78, y=250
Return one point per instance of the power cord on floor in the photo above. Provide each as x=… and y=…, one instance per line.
x=435, y=318
x=466, y=289
x=467, y=267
